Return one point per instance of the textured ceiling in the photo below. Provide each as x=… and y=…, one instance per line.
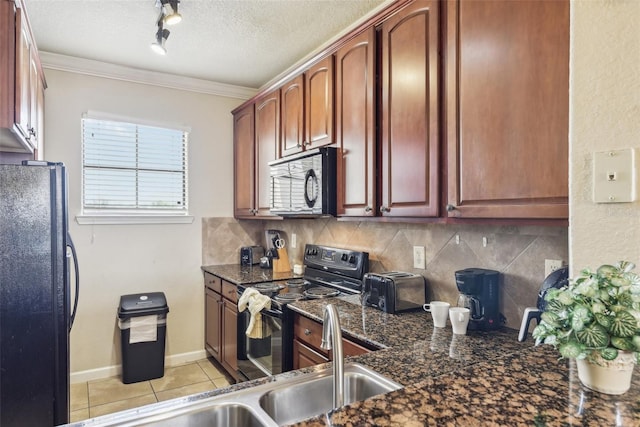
x=238, y=42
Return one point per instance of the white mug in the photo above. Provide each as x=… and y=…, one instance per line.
x=439, y=310
x=459, y=317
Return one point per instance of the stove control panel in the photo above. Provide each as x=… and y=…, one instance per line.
x=337, y=260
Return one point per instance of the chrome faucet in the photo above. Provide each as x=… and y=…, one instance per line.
x=331, y=332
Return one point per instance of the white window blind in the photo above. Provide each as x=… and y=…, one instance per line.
x=131, y=168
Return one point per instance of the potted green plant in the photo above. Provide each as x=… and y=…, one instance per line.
x=596, y=320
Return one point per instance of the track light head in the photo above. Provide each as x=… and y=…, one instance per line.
x=158, y=46
x=170, y=10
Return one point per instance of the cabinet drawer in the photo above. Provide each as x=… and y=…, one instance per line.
x=213, y=282
x=230, y=291
x=309, y=332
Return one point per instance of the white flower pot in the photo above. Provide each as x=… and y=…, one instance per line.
x=607, y=376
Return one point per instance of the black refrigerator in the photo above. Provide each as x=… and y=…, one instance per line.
x=36, y=314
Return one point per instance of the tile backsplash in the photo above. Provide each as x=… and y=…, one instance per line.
x=518, y=252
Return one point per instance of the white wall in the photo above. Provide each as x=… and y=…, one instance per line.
x=124, y=259
x=604, y=115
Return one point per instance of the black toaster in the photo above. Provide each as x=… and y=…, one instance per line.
x=250, y=255
x=394, y=291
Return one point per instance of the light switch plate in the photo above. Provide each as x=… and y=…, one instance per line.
x=419, y=257
x=614, y=176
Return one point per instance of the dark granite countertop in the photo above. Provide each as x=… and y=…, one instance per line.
x=237, y=274
x=478, y=379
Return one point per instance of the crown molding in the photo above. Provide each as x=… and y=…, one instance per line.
x=90, y=67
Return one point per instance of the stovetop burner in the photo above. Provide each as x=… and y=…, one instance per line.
x=267, y=287
x=321, y=292
x=289, y=297
x=295, y=283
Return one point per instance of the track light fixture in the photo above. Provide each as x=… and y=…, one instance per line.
x=170, y=11
x=161, y=37
x=168, y=16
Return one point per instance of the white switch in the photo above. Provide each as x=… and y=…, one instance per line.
x=419, y=259
x=614, y=176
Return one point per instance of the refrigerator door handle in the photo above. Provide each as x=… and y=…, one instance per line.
x=71, y=246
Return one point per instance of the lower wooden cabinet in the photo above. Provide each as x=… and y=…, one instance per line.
x=307, y=335
x=221, y=322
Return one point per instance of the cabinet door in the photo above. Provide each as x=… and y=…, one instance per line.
x=292, y=97
x=267, y=145
x=355, y=126
x=304, y=357
x=243, y=153
x=230, y=336
x=507, y=87
x=213, y=322
x=35, y=109
x=23, y=72
x=410, y=123
x=319, y=104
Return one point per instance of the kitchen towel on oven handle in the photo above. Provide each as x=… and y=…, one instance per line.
x=254, y=301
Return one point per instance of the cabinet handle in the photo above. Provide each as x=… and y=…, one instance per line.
x=298, y=145
x=368, y=209
x=305, y=143
x=384, y=209
x=32, y=131
x=450, y=207
x=307, y=332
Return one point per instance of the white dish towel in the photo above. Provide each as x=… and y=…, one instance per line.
x=255, y=302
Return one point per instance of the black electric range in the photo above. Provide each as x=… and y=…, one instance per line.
x=329, y=272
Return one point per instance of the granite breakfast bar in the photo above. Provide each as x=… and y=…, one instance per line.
x=478, y=379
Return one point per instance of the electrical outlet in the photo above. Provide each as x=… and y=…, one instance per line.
x=294, y=240
x=419, y=257
x=551, y=265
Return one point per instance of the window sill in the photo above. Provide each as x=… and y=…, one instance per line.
x=133, y=219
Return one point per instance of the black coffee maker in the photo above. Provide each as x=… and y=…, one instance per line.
x=479, y=292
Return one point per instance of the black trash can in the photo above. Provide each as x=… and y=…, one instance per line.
x=143, y=329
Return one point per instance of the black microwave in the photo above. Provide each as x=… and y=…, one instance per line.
x=304, y=184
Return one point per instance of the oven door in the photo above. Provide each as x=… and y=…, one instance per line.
x=260, y=357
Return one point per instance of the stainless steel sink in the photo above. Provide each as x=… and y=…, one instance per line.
x=223, y=414
x=290, y=403
x=271, y=404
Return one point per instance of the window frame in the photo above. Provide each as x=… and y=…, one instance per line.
x=135, y=215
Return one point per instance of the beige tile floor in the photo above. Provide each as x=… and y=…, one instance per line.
x=101, y=397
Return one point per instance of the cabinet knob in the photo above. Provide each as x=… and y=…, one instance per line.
x=305, y=143
x=367, y=209
x=384, y=209
x=298, y=145
x=450, y=207
x=32, y=131
x=307, y=332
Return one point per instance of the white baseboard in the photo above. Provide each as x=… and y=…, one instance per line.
x=116, y=370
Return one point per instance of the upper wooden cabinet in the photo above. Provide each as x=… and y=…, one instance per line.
x=307, y=109
x=355, y=126
x=444, y=110
x=244, y=160
x=292, y=95
x=410, y=137
x=506, y=103
x=267, y=144
x=22, y=82
x=256, y=141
